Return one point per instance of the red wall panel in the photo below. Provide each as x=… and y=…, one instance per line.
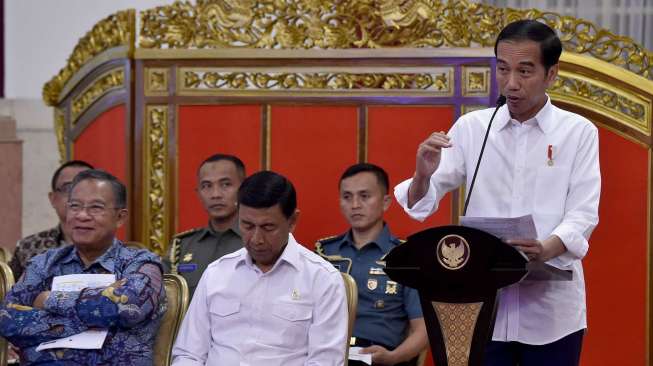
x=394, y=132
x=204, y=130
x=103, y=144
x=312, y=146
x=615, y=266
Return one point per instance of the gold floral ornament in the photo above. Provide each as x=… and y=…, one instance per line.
x=343, y=24
x=113, y=31
x=211, y=80
x=112, y=80
x=156, y=138
x=60, y=133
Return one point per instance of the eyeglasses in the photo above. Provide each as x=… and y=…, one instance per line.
x=64, y=188
x=93, y=209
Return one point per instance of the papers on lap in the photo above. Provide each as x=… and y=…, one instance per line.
x=356, y=355
x=90, y=339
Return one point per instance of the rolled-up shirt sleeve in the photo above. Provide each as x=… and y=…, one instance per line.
x=449, y=175
x=582, y=203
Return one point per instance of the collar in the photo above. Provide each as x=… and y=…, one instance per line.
x=106, y=260
x=542, y=118
x=208, y=230
x=290, y=255
x=383, y=240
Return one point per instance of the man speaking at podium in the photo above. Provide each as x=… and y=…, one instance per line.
x=538, y=159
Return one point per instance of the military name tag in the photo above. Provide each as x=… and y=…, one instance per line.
x=187, y=267
x=377, y=271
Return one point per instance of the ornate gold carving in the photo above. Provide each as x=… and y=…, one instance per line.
x=616, y=103
x=110, y=80
x=156, y=81
x=457, y=322
x=156, y=151
x=439, y=83
x=368, y=24
x=115, y=30
x=60, y=132
x=476, y=81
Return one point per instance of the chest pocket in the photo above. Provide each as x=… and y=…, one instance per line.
x=225, y=317
x=291, y=321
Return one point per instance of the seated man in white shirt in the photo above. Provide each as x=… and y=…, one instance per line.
x=540, y=160
x=273, y=302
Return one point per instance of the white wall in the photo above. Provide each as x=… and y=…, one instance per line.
x=41, y=34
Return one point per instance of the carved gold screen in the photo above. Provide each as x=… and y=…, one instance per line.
x=308, y=87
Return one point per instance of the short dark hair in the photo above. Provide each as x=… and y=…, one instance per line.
x=240, y=167
x=266, y=189
x=72, y=163
x=381, y=175
x=532, y=30
x=119, y=190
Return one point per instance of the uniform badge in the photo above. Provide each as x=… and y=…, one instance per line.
x=376, y=271
x=391, y=288
x=372, y=284
x=294, y=295
x=187, y=257
x=379, y=304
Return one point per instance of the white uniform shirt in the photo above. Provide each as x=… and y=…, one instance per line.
x=295, y=314
x=515, y=179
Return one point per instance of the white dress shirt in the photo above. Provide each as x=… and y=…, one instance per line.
x=515, y=178
x=295, y=314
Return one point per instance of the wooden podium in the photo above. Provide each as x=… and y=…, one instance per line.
x=458, y=272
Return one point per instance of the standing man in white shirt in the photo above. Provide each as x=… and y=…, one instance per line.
x=539, y=160
x=271, y=303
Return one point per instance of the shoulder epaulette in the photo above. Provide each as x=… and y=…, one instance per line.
x=333, y=259
x=175, y=248
x=186, y=233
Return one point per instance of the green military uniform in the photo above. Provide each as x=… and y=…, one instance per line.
x=193, y=250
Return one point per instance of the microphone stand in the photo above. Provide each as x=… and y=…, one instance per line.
x=501, y=101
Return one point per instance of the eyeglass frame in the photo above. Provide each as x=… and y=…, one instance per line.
x=89, y=207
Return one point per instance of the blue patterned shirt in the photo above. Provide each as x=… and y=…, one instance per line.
x=131, y=311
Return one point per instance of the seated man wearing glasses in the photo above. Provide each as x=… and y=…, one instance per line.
x=129, y=309
x=57, y=236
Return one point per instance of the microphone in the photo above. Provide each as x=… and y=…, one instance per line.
x=500, y=101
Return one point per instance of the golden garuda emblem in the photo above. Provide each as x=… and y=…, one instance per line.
x=452, y=252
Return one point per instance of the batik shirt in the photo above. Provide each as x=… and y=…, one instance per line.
x=131, y=312
x=33, y=245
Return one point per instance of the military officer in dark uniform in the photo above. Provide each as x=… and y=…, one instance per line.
x=218, y=180
x=389, y=321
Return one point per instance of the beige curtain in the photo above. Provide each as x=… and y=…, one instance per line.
x=632, y=18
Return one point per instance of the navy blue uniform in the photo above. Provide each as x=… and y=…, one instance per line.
x=384, y=306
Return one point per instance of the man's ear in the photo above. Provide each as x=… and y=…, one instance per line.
x=292, y=220
x=123, y=214
x=51, y=198
x=551, y=75
x=387, y=201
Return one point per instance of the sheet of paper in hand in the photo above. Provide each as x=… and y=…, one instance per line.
x=504, y=228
